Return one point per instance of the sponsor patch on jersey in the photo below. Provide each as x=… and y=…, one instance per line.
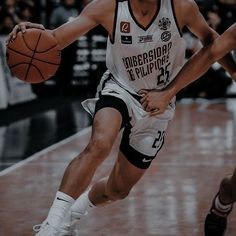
x=145, y=39
x=164, y=23
x=125, y=27
x=166, y=36
x=126, y=39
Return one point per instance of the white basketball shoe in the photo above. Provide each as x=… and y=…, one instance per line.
x=67, y=227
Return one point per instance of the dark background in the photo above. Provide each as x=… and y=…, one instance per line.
x=33, y=117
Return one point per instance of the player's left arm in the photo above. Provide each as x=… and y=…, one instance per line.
x=199, y=27
x=157, y=101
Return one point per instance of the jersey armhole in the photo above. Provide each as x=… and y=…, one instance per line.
x=176, y=21
x=112, y=40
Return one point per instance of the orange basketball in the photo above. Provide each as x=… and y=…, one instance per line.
x=33, y=56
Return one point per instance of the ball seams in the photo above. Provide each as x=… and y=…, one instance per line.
x=35, y=58
x=30, y=64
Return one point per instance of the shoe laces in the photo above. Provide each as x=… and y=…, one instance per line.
x=37, y=228
x=62, y=231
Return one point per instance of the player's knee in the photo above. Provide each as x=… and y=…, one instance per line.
x=117, y=193
x=99, y=147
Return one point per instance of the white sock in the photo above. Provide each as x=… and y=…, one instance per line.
x=82, y=204
x=221, y=207
x=59, y=208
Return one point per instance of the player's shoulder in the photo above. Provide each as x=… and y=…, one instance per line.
x=100, y=10
x=186, y=5
x=102, y=4
x=185, y=10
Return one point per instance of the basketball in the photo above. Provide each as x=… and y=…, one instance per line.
x=33, y=56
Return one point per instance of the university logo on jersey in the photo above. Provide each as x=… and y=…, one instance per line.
x=166, y=36
x=125, y=27
x=145, y=39
x=126, y=39
x=164, y=23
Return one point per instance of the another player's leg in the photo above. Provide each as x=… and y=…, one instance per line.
x=80, y=171
x=216, y=220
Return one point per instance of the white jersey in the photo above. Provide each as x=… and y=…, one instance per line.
x=145, y=57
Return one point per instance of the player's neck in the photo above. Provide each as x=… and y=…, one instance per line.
x=144, y=7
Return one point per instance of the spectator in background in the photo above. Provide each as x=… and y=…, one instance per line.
x=227, y=12
x=7, y=23
x=215, y=82
x=9, y=9
x=66, y=11
x=213, y=18
x=26, y=10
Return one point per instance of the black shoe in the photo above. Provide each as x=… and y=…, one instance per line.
x=215, y=225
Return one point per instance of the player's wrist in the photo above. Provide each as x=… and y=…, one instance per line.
x=170, y=92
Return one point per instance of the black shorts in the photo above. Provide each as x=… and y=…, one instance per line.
x=136, y=158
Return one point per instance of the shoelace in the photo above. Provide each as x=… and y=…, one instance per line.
x=36, y=228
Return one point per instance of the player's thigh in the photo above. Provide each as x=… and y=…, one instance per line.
x=106, y=124
x=123, y=176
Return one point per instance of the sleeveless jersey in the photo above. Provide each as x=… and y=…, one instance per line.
x=141, y=57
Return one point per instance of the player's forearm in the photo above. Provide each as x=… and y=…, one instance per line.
x=71, y=31
x=227, y=61
x=229, y=65
x=195, y=67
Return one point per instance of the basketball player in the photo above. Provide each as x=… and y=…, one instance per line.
x=145, y=50
x=216, y=220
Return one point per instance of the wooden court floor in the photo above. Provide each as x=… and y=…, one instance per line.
x=172, y=198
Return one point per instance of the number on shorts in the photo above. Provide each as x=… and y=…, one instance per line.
x=159, y=139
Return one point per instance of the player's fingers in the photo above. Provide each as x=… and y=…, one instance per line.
x=145, y=104
x=22, y=27
x=142, y=92
x=14, y=32
x=143, y=99
x=148, y=108
x=8, y=38
x=34, y=25
x=154, y=112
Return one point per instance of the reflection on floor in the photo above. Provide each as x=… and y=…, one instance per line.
x=29, y=128
x=171, y=199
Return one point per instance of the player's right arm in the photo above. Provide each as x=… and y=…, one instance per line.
x=98, y=12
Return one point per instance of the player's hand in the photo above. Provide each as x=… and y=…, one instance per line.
x=22, y=27
x=154, y=101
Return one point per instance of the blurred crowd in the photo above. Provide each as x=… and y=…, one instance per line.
x=219, y=14
x=40, y=11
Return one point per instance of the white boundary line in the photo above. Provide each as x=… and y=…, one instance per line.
x=42, y=152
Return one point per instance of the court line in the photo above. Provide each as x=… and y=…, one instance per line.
x=42, y=152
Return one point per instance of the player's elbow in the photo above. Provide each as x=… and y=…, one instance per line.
x=58, y=38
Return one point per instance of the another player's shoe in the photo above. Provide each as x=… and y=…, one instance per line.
x=216, y=219
x=215, y=225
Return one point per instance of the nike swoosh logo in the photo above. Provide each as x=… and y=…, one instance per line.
x=146, y=160
x=61, y=199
